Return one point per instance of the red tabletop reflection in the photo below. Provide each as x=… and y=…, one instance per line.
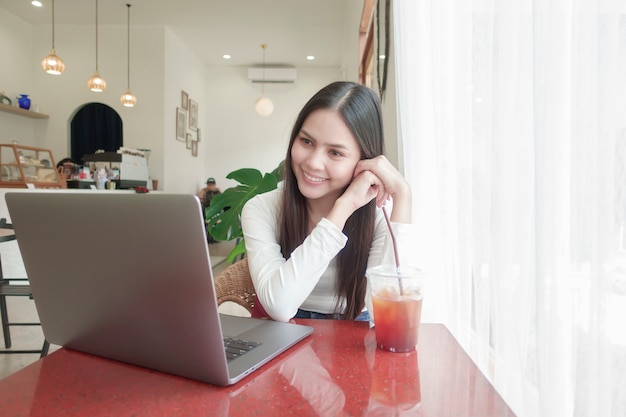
x=336, y=372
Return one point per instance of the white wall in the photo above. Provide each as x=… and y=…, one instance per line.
x=350, y=47
x=183, y=71
x=15, y=75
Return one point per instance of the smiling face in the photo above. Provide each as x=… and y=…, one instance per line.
x=323, y=156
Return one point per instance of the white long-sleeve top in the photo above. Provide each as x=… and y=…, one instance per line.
x=307, y=279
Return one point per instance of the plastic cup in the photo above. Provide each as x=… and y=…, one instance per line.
x=397, y=295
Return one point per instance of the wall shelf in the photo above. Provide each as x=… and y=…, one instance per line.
x=22, y=112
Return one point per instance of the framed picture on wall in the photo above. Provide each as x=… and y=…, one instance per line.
x=189, y=140
x=193, y=115
x=181, y=124
x=184, y=100
x=194, y=148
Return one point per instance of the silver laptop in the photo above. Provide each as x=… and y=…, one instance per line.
x=128, y=277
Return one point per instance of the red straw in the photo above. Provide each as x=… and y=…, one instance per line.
x=395, y=249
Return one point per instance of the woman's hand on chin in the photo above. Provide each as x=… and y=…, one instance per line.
x=361, y=191
x=392, y=183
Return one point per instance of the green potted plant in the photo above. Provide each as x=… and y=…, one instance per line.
x=223, y=215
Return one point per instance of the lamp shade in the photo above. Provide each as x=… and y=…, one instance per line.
x=128, y=99
x=96, y=83
x=52, y=64
x=264, y=106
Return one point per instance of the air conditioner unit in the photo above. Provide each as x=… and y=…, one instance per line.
x=278, y=75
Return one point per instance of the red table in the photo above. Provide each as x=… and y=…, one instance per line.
x=336, y=372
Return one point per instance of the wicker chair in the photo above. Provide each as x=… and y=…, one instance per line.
x=234, y=284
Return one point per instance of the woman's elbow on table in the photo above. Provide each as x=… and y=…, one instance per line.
x=277, y=312
x=281, y=315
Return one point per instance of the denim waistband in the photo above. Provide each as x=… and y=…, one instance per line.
x=305, y=314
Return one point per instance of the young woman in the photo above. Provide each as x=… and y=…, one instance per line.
x=310, y=241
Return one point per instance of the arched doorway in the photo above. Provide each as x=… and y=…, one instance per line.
x=95, y=126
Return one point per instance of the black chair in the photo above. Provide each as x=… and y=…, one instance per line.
x=14, y=287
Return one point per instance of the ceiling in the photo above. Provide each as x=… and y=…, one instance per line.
x=292, y=29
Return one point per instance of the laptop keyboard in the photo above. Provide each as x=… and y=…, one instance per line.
x=237, y=347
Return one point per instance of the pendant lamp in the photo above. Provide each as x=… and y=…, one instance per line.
x=128, y=99
x=96, y=83
x=264, y=105
x=52, y=63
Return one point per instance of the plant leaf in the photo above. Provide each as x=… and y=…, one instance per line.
x=246, y=176
x=225, y=225
x=224, y=213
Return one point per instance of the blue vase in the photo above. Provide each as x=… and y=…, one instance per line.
x=23, y=101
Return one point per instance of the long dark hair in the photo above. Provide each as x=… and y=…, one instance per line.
x=359, y=107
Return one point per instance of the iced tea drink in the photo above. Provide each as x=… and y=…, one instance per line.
x=397, y=296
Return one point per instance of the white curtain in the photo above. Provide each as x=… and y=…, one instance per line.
x=513, y=124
